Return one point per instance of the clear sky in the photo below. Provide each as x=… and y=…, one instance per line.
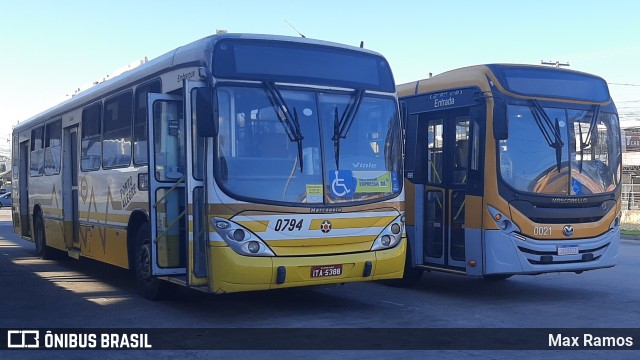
x=49, y=48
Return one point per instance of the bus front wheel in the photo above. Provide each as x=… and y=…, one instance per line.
x=497, y=277
x=150, y=286
x=411, y=274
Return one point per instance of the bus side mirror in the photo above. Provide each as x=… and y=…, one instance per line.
x=413, y=143
x=206, y=110
x=404, y=117
x=500, y=122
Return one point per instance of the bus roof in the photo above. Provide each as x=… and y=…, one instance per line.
x=197, y=53
x=450, y=79
x=478, y=75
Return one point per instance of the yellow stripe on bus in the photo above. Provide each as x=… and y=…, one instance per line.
x=322, y=241
x=255, y=226
x=353, y=223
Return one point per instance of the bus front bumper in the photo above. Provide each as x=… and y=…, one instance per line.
x=507, y=254
x=232, y=272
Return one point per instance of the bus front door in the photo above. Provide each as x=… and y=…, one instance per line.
x=70, y=186
x=23, y=190
x=443, y=216
x=167, y=184
x=198, y=244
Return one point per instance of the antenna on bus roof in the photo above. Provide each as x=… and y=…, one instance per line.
x=556, y=63
x=361, y=44
x=294, y=29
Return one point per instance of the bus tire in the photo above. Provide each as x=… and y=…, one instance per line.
x=150, y=286
x=411, y=275
x=497, y=277
x=42, y=250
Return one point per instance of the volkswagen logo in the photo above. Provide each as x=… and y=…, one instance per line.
x=567, y=230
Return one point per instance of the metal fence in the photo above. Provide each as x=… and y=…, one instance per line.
x=630, y=196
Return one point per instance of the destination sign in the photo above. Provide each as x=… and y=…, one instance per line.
x=442, y=100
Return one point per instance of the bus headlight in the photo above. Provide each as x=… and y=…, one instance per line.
x=616, y=222
x=253, y=247
x=240, y=239
x=390, y=236
x=238, y=235
x=504, y=223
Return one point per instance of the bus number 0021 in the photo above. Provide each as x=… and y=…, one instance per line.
x=288, y=224
x=542, y=230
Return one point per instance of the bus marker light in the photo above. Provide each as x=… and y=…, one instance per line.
x=498, y=217
x=143, y=182
x=472, y=263
x=222, y=225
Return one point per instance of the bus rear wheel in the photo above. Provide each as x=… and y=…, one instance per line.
x=150, y=286
x=39, y=238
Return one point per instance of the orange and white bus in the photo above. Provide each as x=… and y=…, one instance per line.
x=237, y=162
x=511, y=169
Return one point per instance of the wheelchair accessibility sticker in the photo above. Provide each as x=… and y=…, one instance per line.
x=343, y=184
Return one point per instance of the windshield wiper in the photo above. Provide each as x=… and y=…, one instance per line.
x=550, y=131
x=592, y=128
x=291, y=124
x=342, y=125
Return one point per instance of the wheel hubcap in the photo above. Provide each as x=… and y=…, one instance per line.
x=145, y=263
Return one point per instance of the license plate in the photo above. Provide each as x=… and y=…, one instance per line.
x=568, y=250
x=326, y=270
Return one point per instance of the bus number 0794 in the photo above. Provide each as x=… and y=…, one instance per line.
x=288, y=224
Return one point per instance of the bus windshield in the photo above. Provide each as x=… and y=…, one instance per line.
x=581, y=158
x=260, y=148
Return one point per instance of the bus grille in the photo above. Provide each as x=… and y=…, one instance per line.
x=585, y=255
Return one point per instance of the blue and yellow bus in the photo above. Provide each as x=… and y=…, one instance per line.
x=237, y=162
x=511, y=169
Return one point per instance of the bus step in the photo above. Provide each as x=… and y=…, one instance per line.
x=74, y=253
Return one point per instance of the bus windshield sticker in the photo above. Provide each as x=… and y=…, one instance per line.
x=576, y=187
x=342, y=183
x=373, y=181
x=395, y=183
x=314, y=193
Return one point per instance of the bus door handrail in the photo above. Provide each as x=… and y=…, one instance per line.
x=182, y=214
x=175, y=221
x=180, y=181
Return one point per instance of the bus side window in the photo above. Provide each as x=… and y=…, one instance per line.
x=91, y=152
x=37, y=151
x=53, y=147
x=116, y=140
x=140, y=126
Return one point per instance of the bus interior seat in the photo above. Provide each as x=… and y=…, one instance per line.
x=273, y=141
x=462, y=153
